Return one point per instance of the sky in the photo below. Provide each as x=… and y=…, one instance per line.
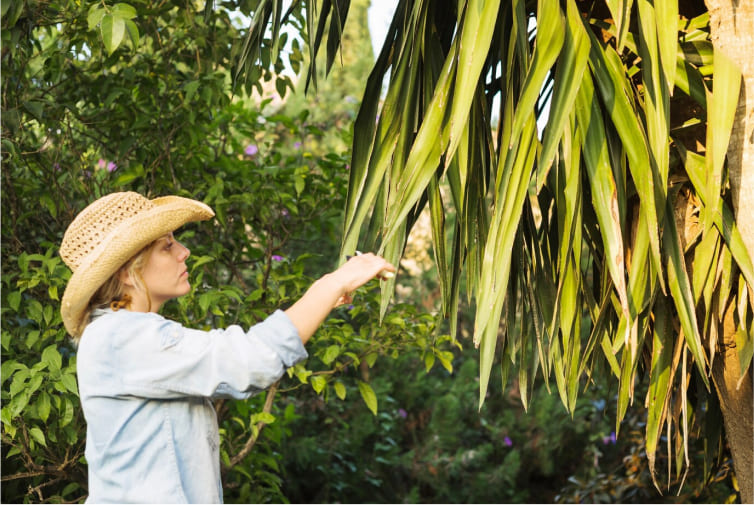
x=379, y=15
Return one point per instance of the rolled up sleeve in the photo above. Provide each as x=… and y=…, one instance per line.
x=149, y=356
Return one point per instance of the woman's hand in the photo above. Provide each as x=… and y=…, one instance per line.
x=335, y=289
x=359, y=270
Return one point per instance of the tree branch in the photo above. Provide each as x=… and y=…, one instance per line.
x=271, y=392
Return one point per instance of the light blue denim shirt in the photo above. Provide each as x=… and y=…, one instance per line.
x=145, y=384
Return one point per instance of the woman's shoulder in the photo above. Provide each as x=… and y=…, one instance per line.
x=109, y=316
x=113, y=327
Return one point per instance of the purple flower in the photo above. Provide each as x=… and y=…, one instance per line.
x=285, y=213
x=507, y=442
x=402, y=413
x=348, y=166
x=56, y=166
x=297, y=145
x=101, y=163
x=251, y=150
x=276, y=257
x=350, y=307
x=111, y=166
x=609, y=439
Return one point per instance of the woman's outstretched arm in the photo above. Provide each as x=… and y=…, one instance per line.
x=334, y=289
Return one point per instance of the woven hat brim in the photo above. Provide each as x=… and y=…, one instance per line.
x=122, y=243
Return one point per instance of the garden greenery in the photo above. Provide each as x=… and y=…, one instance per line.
x=146, y=96
x=100, y=98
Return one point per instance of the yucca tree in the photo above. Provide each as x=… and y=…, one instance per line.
x=610, y=242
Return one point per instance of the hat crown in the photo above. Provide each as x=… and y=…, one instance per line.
x=96, y=222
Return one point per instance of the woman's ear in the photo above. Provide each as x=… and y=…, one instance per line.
x=124, y=276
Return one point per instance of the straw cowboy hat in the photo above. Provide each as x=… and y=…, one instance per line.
x=107, y=233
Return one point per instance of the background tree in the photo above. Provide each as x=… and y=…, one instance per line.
x=612, y=229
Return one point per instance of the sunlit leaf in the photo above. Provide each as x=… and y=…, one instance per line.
x=367, y=394
x=112, y=29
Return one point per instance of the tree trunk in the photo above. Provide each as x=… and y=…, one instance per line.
x=736, y=405
x=732, y=29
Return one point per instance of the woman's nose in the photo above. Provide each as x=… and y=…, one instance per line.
x=185, y=252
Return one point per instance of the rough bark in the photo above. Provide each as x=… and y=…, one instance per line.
x=732, y=30
x=736, y=405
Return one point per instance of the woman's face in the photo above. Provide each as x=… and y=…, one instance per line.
x=165, y=275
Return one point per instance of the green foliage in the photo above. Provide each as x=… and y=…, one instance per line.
x=85, y=113
x=588, y=245
x=100, y=97
x=43, y=429
x=430, y=444
x=620, y=473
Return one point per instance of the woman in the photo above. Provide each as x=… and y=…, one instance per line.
x=146, y=382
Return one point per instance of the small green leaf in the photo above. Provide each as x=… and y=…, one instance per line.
x=318, y=383
x=69, y=381
x=67, y=413
x=429, y=362
x=280, y=86
x=262, y=417
x=43, y=406
x=340, y=390
x=6, y=416
x=133, y=33
x=8, y=367
x=367, y=393
x=446, y=358
x=302, y=374
x=52, y=357
x=190, y=89
x=14, y=300
x=70, y=488
x=95, y=16
x=38, y=436
x=112, y=29
x=19, y=381
x=124, y=11
x=300, y=183
x=371, y=358
x=331, y=353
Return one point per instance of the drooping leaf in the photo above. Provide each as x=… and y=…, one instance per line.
x=112, y=29
x=367, y=394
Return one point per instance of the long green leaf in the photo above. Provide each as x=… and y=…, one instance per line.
x=479, y=20
x=660, y=384
x=373, y=152
x=550, y=38
x=667, y=39
x=656, y=92
x=494, y=277
x=604, y=195
x=720, y=114
x=427, y=148
x=437, y=219
x=621, y=11
x=570, y=69
x=615, y=88
x=680, y=289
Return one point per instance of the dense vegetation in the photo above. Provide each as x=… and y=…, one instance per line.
x=99, y=98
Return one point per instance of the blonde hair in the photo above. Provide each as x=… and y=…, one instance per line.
x=112, y=293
